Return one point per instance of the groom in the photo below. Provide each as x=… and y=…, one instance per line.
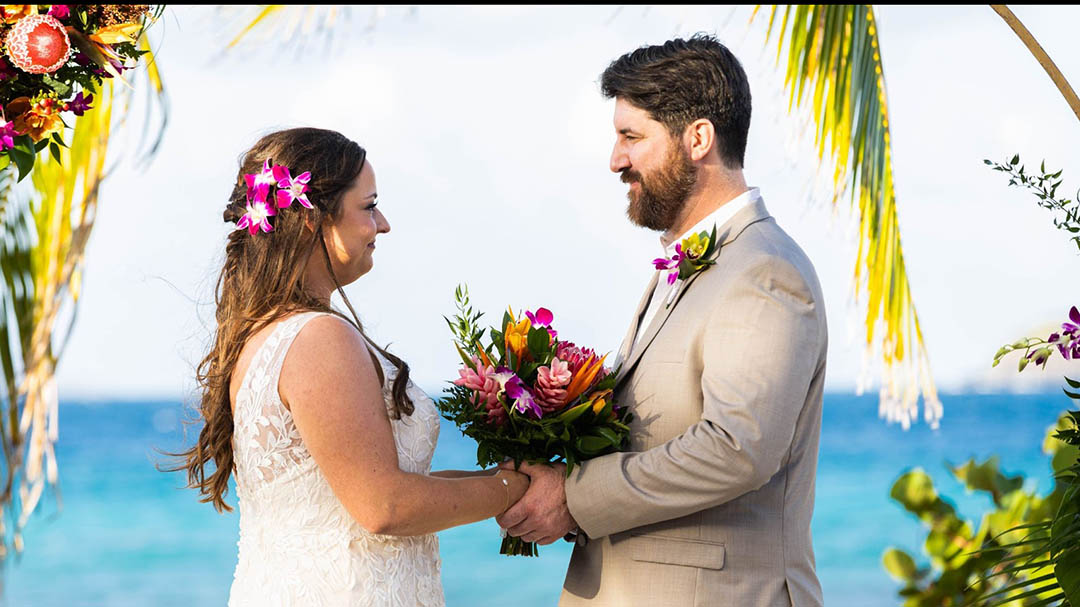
x=723, y=370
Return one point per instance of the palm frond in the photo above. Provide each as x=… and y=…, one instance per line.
x=44, y=229
x=62, y=210
x=283, y=24
x=293, y=27
x=833, y=71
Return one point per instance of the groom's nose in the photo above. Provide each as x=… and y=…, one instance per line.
x=619, y=160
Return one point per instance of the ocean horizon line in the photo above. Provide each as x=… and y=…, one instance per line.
x=96, y=399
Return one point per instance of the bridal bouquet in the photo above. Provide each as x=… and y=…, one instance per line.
x=523, y=394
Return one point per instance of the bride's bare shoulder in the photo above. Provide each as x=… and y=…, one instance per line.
x=327, y=355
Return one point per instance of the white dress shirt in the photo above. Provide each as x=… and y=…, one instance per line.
x=719, y=217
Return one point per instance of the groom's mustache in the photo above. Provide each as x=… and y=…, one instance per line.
x=630, y=176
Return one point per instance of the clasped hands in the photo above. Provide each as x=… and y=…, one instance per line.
x=541, y=515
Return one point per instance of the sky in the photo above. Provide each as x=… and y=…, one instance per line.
x=490, y=141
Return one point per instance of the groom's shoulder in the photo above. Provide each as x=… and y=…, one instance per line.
x=765, y=247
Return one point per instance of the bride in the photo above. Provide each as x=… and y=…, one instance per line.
x=329, y=441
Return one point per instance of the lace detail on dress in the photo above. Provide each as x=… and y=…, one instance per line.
x=298, y=545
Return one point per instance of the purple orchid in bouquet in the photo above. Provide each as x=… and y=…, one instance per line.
x=523, y=401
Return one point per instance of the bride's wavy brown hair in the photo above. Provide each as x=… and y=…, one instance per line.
x=262, y=281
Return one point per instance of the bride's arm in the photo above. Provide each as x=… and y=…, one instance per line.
x=329, y=383
x=464, y=473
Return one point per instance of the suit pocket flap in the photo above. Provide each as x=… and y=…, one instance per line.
x=673, y=551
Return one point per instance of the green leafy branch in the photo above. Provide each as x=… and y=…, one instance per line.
x=467, y=333
x=1045, y=187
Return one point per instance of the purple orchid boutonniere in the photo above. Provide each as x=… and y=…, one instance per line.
x=692, y=255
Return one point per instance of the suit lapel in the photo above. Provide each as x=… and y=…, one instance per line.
x=635, y=325
x=724, y=234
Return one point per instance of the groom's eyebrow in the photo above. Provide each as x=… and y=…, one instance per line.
x=627, y=131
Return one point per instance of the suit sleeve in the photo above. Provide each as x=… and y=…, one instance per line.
x=762, y=345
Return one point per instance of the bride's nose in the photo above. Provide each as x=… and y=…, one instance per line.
x=382, y=226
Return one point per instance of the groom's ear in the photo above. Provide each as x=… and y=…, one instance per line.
x=700, y=135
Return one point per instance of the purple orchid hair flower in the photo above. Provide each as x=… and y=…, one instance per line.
x=259, y=184
x=290, y=188
x=257, y=217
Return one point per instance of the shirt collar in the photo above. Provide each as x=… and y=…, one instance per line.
x=719, y=217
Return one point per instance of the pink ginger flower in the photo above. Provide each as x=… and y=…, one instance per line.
x=574, y=356
x=486, y=388
x=551, y=385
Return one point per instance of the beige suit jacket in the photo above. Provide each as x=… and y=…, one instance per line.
x=711, y=504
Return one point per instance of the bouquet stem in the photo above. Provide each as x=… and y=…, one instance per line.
x=515, y=546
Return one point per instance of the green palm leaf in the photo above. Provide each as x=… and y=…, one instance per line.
x=833, y=71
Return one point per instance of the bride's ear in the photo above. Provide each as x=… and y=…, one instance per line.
x=310, y=220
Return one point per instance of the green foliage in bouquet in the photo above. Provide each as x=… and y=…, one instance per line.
x=1001, y=557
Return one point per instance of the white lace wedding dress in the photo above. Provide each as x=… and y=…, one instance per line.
x=298, y=545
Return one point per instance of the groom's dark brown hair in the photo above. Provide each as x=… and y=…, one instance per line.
x=681, y=81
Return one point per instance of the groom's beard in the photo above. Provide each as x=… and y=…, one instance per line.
x=662, y=195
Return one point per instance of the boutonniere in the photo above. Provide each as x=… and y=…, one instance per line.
x=692, y=255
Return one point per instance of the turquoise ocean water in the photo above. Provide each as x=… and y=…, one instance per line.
x=127, y=535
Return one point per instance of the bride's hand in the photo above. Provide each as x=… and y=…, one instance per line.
x=516, y=483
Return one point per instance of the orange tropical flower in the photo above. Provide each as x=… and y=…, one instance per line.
x=10, y=13
x=584, y=377
x=39, y=120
